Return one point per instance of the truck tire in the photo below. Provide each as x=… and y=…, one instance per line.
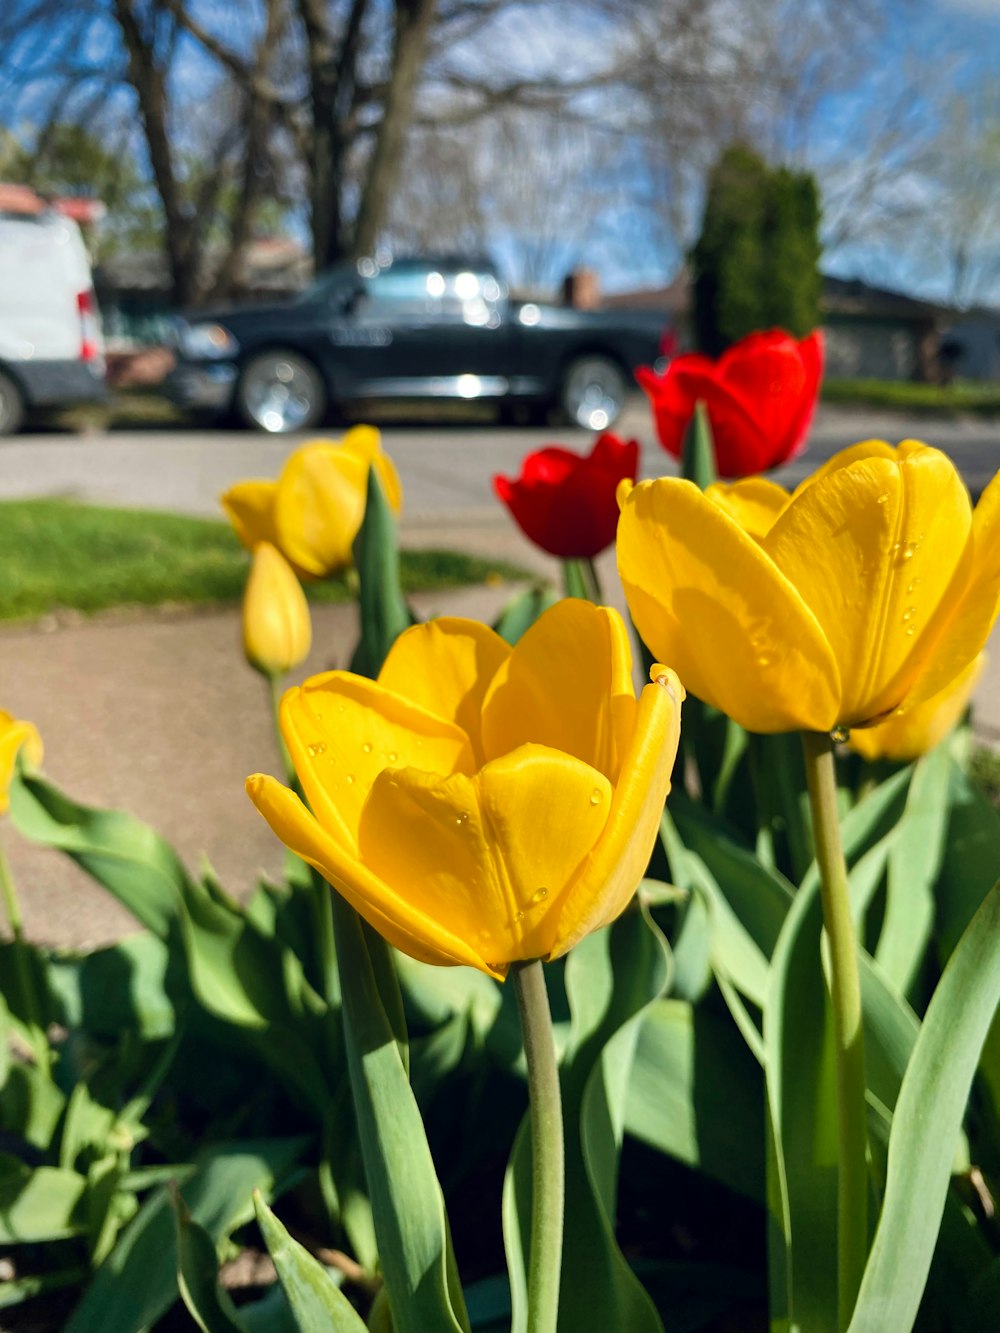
x=280, y=391
x=593, y=392
x=11, y=405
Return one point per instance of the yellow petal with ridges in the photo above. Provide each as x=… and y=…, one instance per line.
x=872, y=548
x=384, y=908
x=446, y=666
x=913, y=731
x=15, y=736
x=707, y=600
x=343, y=730
x=754, y=503
x=249, y=506
x=488, y=857
x=970, y=607
x=366, y=443
x=612, y=872
x=854, y=453
x=568, y=685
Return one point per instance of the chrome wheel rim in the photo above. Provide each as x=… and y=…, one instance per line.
x=279, y=393
x=595, y=393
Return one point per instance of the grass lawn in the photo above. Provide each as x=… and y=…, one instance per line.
x=60, y=554
x=978, y=396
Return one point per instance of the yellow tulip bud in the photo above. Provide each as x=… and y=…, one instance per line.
x=277, y=632
x=312, y=513
x=913, y=731
x=869, y=589
x=14, y=736
x=481, y=804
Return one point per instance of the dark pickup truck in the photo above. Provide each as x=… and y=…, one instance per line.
x=428, y=328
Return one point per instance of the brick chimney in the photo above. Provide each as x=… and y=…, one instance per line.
x=581, y=289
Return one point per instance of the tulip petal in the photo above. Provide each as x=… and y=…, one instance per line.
x=767, y=371
x=479, y=855
x=388, y=911
x=754, y=503
x=319, y=505
x=343, y=730
x=249, y=506
x=707, y=600
x=913, y=731
x=446, y=666
x=567, y=685
x=15, y=736
x=854, y=453
x=611, y=874
x=872, y=548
x=969, y=608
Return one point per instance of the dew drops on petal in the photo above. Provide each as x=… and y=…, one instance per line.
x=393, y=756
x=913, y=583
x=840, y=734
x=518, y=916
x=910, y=631
x=316, y=747
x=595, y=796
x=909, y=613
x=367, y=747
x=883, y=499
x=539, y=896
x=350, y=778
x=462, y=819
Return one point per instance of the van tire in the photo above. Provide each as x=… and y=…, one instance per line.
x=11, y=405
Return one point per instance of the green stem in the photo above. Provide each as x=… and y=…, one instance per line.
x=845, y=994
x=596, y=592
x=274, y=695
x=22, y=961
x=547, y=1152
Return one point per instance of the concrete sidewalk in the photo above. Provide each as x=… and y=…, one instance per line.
x=157, y=713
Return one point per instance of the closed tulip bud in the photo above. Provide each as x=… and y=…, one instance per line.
x=15, y=736
x=277, y=632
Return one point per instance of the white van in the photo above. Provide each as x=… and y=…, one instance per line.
x=51, y=348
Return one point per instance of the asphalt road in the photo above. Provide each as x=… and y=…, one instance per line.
x=445, y=468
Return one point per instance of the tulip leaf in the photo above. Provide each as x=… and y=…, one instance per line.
x=382, y=608
x=696, y=1094
x=410, y=1221
x=914, y=863
x=128, y=858
x=612, y=977
x=316, y=1300
x=698, y=451
x=523, y=610
x=41, y=1204
x=208, y=1304
x=137, y=1283
x=927, y=1119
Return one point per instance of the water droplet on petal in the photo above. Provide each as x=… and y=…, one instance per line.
x=350, y=778
x=393, y=756
x=518, y=916
x=539, y=896
x=595, y=796
x=764, y=660
x=316, y=747
x=883, y=499
x=913, y=583
x=909, y=613
x=462, y=819
x=367, y=747
x=910, y=631
x=340, y=708
x=840, y=734
x=485, y=937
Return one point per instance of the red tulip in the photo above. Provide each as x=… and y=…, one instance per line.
x=565, y=502
x=760, y=397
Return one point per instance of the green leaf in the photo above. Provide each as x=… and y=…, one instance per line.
x=926, y=1124
x=137, y=1283
x=698, y=451
x=523, y=610
x=317, y=1302
x=198, y=1276
x=39, y=1204
x=696, y=1094
x=16, y=1290
x=128, y=858
x=914, y=863
x=121, y=986
x=408, y=1207
x=382, y=607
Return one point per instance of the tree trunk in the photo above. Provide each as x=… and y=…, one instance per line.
x=413, y=22
x=147, y=79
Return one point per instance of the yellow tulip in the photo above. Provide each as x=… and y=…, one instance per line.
x=478, y=804
x=14, y=736
x=913, y=731
x=277, y=632
x=870, y=588
x=312, y=513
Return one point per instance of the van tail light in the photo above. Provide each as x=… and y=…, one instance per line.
x=90, y=329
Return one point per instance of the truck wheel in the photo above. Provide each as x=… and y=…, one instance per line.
x=280, y=391
x=593, y=392
x=11, y=406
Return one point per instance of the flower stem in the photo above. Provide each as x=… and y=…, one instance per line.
x=274, y=694
x=547, y=1154
x=845, y=994
x=593, y=578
